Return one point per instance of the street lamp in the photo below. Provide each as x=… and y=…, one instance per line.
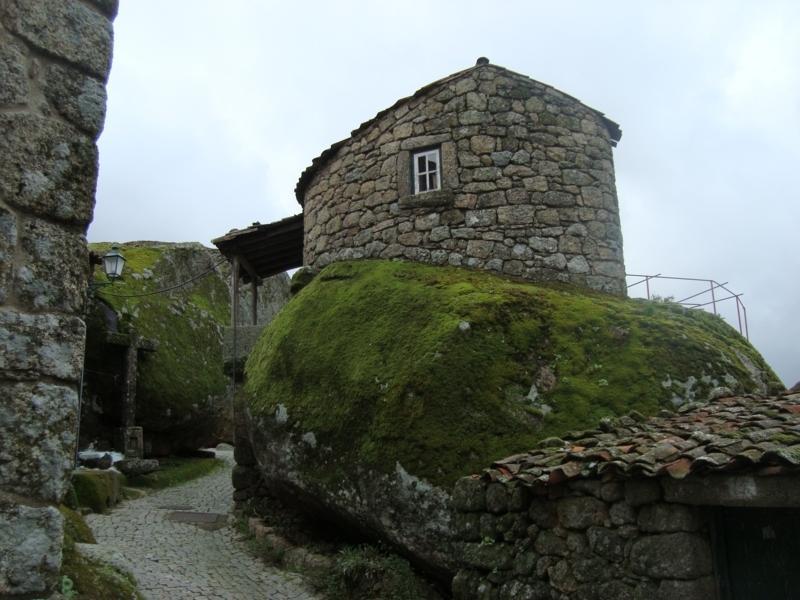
x=113, y=263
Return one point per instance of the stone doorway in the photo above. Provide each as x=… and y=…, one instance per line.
x=757, y=553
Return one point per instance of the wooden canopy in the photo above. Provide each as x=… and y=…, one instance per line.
x=264, y=250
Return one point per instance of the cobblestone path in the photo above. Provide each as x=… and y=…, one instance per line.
x=176, y=561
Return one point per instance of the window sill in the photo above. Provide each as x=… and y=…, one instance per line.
x=440, y=198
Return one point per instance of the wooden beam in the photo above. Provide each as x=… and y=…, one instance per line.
x=235, y=294
x=248, y=267
x=234, y=321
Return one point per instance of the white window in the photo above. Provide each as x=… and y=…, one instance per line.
x=427, y=171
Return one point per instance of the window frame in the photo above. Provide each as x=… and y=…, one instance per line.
x=436, y=152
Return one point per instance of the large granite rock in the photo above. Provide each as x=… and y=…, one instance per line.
x=43, y=419
x=30, y=548
x=50, y=169
x=181, y=391
x=381, y=383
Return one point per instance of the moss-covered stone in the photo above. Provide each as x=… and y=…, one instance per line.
x=75, y=528
x=87, y=578
x=180, y=386
x=381, y=383
x=181, y=390
x=444, y=370
x=97, y=489
x=84, y=578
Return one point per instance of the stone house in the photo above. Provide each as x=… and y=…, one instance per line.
x=485, y=168
x=699, y=505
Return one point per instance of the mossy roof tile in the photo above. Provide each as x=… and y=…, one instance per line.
x=730, y=434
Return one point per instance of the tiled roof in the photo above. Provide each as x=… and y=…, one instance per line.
x=748, y=433
x=265, y=249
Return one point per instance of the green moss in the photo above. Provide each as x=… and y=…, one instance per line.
x=175, y=470
x=75, y=527
x=368, y=572
x=83, y=578
x=96, y=489
x=301, y=279
x=179, y=385
x=376, y=359
x=89, y=579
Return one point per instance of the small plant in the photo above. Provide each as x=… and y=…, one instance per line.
x=68, y=588
x=371, y=572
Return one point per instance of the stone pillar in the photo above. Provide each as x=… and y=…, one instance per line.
x=129, y=384
x=54, y=61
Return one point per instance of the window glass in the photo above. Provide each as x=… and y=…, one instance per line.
x=426, y=171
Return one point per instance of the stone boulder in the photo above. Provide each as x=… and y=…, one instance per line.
x=137, y=466
x=381, y=383
x=181, y=387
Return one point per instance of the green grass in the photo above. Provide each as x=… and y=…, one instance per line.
x=369, y=572
x=174, y=471
x=370, y=357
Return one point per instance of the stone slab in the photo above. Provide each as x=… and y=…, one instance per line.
x=30, y=548
x=77, y=97
x=8, y=245
x=14, y=86
x=48, y=168
x=52, y=272
x=68, y=29
x=35, y=345
x=734, y=490
x=38, y=423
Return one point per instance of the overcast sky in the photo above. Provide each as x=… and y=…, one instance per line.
x=215, y=108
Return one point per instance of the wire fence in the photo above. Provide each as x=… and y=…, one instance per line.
x=705, y=294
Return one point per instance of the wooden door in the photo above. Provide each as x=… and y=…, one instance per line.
x=757, y=553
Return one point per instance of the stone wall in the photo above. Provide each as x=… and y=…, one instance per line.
x=527, y=185
x=580, y=541
x=54, y=61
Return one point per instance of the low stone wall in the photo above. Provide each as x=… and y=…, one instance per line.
x=580, y=541
x=54, y=61
x=527, y=185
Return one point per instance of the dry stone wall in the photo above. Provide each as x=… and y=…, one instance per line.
x=527, y=184
x=586, y=540
x=54, y=61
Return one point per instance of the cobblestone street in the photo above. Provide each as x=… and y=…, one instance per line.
x=175, y=561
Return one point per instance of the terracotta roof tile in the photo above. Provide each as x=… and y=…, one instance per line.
x=738, y=433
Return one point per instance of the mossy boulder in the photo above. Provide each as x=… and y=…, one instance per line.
x=98, y=489
x=181, y=395
x=381, y=383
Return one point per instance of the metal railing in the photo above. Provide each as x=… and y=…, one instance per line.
x=705, y=298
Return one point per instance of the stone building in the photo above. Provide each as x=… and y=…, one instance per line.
x=699, y=505
x=485, y=168
x=54, y=61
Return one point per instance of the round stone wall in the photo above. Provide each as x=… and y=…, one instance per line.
x=527, y=184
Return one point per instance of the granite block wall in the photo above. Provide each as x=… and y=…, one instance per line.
x=54, y=62
x=528, y=184
x=586, y=540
